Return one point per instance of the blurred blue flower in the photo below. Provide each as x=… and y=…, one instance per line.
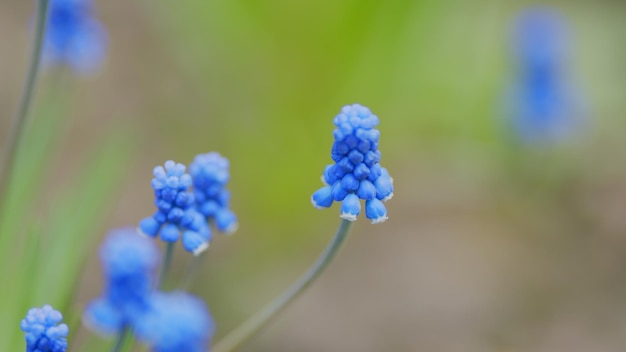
x=74, y=37
x=42, y=332
x=210, y=175
x=176, y=322
x=176, y=211
x=542, y=105
x=129, y=261
x=356, y=173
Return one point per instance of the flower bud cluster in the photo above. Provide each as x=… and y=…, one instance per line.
x=356, y=174
x=42, y=332
x=210, y=174
x=176, y=210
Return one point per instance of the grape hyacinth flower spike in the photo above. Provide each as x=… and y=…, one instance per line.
x=176, y=211
x=210, y=175
x=42, y=332
x=356, y=174
x=129, y=262
x=74, y=37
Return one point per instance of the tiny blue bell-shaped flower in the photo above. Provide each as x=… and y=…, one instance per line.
x=351, y=207
x=322, y=198
x=375, y=210
x=42, y=330
x=194, y=242
x=356, y=174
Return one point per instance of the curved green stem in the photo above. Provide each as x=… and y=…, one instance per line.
x=246, y=330
x=19, y=121
x=191, y=271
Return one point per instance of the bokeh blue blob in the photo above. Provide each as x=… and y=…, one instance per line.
x=542, y=104
x=129, y=261
x=176, y=322
x=74, y=37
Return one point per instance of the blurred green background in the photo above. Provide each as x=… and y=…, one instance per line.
x=490, y=245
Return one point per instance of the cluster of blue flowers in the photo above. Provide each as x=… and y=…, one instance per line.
x=543, y=105
x=175, y=210
x=357, y=173
x=74, y=37
x=42, y=332
x=179, y=209
x=129, y=262
x=189, y=204
x=168, y=322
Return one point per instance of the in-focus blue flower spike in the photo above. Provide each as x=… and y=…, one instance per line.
x=176, y=210
x=74, y=37
x=356, y=173
x=176, y=322
x=129, y=262
x=542, y=104
x=210, y=174
x=43, y=331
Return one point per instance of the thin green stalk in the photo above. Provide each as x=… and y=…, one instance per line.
x=167, y=263
x=121, y=340
x=246, y=330
x=16, y=130
x=191, y=271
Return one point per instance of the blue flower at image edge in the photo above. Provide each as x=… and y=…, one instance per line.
x=42, y=332
x=176, y=212
x=356, y=174
x=129, y=262
x=542, y=105
x=176, y=322
x=74, y=37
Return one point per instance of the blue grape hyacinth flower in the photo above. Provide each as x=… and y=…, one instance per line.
x=129, y=262
x=43, y=331
x=543, y=106
x=356, y=174
x=176, y=322
x=74, y=37
x=210, y=174
x=176, y=210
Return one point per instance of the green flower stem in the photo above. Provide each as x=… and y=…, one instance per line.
x=19, y=121
x=191, y=271
x=246, y=330
x=121, y=340
x=167, y=263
